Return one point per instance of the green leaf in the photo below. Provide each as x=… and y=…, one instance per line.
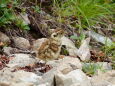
x=26, y=27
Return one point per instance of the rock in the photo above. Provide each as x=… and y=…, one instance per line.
x=64, y=66
x=21, y=43
x=25, y=18
x=73, y=62
x=66, y=63
x=6, y=75
x=105, y=65
x=26, y=77
x=105, y=79
x=7, y=50
x=73, y=78
x=100, y=38
x=37, y=43
x=49, y=77
x=4, y=38
x=84, y=51
x=22, y=60
x=18, y=78
x=69, y=46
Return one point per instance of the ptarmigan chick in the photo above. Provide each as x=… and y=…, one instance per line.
x=50, y=49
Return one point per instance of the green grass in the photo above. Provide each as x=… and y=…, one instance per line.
x=92, y=68
x=110, y=51
x=88, y=12
x=8, y=14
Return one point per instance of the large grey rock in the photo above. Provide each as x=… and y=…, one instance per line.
x=4, y=38
x=18, y=78
x=49, y=77
x=21, y=43
x=64, y=66
x=73, y=78
x=22, y=60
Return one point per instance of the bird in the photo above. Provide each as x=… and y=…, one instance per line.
x=50, y=49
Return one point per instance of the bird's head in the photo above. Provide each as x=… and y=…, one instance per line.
x=57, y=34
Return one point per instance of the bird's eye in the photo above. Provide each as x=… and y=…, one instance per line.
x=55, y=35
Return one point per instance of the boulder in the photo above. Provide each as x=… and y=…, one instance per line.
x=73, y=78
x=64, y=66
x=18, y=78
x=49, y=77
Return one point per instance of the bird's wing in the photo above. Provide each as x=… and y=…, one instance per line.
x=43, y=47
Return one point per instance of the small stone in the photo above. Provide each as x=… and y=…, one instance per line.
x=7, y=50
x=4, y=38
x=70, y=46
x=84, y=50
x=21, y=43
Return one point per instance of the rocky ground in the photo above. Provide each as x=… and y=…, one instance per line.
x=19, y=68
x=83, y=65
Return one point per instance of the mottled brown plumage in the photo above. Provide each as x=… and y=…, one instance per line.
x=50, y=49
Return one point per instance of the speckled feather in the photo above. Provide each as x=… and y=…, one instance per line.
x=51, y=48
